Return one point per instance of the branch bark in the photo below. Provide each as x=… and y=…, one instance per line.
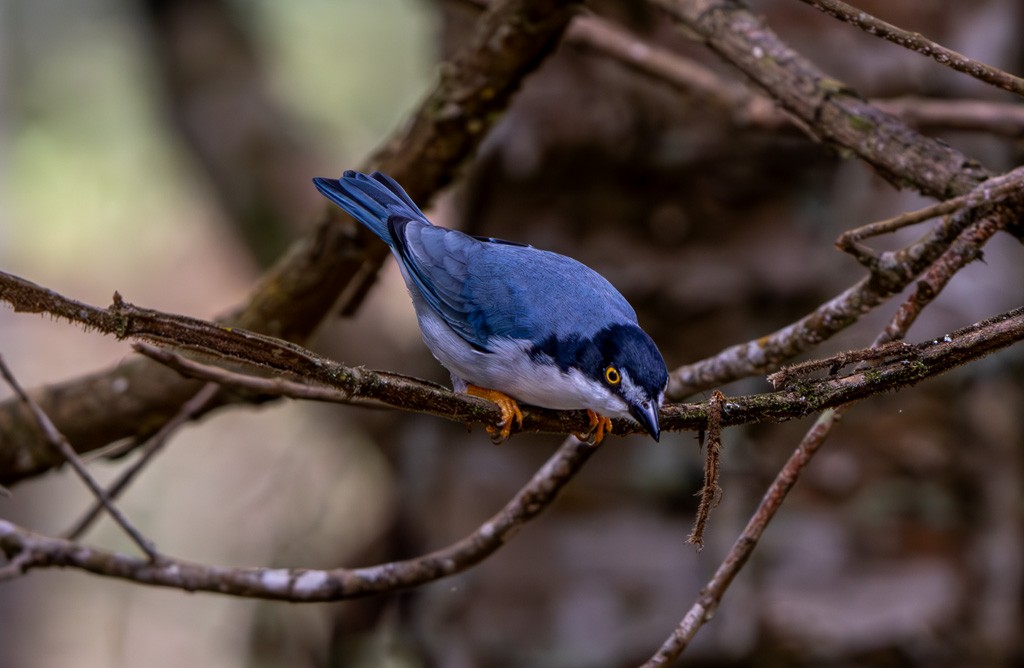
x=828, y=109
x=27, y=550
x=917, y=42
x=749, y=108
x=995, y=202
x=325, y=380
x=334, y=261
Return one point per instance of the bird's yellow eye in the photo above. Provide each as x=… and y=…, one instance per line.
x=611, y=374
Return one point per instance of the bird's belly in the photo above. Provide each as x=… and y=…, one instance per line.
x=510, y=369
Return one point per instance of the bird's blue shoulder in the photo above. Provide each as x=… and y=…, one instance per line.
x=535, y=294
x=486, y=288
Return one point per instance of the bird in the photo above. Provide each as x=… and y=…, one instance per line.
x=513, y=323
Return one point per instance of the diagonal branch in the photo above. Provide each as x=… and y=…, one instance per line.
x=917, y=42
x=992, y=191
x=830, y=110
x=153, y=446
x=334, y=260
x=61, y=445
x=749, y=108
x=996, y=201
x=30, y=550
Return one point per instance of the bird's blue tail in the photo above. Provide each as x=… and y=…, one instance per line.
x=371, y=200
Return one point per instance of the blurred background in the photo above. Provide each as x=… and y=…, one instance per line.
x=164, y=149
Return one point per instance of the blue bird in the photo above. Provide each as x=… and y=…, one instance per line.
x=513, y=323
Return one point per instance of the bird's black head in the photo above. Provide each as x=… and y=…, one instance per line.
x=622, y=366
x=632, y=368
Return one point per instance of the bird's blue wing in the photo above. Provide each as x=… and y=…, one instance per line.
x=484, y=289
x=481, y=287
x=438, y=262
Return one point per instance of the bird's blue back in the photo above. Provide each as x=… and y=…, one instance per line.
x=482, y=288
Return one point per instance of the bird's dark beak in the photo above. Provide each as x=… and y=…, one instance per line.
x=647, y=415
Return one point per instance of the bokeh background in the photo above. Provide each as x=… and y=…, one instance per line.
x=164, y=149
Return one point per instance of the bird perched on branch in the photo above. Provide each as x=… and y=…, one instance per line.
x=511, y=322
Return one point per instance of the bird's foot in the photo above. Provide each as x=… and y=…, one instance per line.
x=510, y=412
x=599, y=427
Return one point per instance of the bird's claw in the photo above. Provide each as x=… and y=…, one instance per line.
x=600, y=426
x=510, y=413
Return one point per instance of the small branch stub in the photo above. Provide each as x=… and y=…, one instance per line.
x=710, y=494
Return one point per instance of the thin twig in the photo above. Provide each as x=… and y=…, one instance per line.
x=966, y=249
x=998, y=118
x=359, y=386
x=307, y=585
x=57, y=440
x=751, y=109
x=917, y=42
x=189, y=410
x=891, y=273
x=829, y=110
x=711, y=595
x=988, y=193
x=787, y=375
x=684, y=74
x=16, y=567
x=710, y=493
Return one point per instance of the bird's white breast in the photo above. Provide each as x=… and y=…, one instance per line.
x=509, y=368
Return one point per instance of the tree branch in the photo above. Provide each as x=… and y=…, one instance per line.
x=996, y=200
x=831, y=111
x=189, y=410
x=964, y=250
x=749, y=108
x=966, y=115
x=917, y=42
x=711, y=594
x=334, y=259
x=896, y=368
x=322, y=379
x=27, y=550
x=61, y=445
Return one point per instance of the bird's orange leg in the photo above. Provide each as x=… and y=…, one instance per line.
x=600, y=426
x=509, y=411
